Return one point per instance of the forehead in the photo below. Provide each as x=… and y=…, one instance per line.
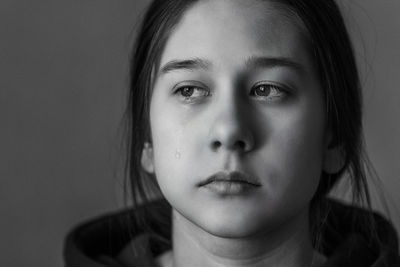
x=231, y=30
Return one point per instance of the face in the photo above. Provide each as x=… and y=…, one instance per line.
x=237, y=118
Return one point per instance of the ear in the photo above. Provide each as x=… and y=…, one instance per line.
x=147, y=159
x=334, y=158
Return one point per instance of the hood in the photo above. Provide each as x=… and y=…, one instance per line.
x=117, y=240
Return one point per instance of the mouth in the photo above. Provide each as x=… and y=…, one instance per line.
x=228, y=183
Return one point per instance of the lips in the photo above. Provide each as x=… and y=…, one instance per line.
x=230, y=183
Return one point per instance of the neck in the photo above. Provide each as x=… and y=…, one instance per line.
x=289, y=245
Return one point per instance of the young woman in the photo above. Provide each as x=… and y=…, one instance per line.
x=243, y=116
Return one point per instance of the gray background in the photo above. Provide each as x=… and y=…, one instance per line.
x=63, y=80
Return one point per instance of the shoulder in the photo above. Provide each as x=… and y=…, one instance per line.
x=102, y=241
x=355, y=236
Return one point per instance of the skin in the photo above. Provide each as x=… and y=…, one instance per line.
x=226, y=113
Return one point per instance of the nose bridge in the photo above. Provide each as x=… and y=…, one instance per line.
x=230, y=129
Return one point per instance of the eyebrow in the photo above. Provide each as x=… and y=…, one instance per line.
x=273, y=62
x=187, y=64
x=252, y=62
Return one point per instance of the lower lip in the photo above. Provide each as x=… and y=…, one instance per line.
x=229, y=187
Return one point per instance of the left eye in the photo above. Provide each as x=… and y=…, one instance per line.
x=268, y=91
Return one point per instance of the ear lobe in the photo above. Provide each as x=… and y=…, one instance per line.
x=333, y=160
x=147, y=159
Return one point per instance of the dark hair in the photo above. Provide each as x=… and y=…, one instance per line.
x=334, y=59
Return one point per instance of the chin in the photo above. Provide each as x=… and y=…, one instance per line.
x=229, y=232
x=232, y=225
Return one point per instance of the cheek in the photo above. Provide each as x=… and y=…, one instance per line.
x=167, y=147
x=178, y=138
x=298, y=145
x=172, y=145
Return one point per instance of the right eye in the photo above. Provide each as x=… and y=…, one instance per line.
x=191, y=93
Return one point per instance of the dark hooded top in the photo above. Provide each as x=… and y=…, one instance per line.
x=117, y=240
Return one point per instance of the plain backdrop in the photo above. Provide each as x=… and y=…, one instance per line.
x=63, y=82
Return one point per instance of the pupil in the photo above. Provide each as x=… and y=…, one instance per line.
x=262, y=91
x=187, y=91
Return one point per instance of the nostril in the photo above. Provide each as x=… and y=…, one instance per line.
x=241, y=145
x=238, y=145
x=215, y=145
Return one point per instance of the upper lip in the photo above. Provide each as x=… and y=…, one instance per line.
x=234, y=176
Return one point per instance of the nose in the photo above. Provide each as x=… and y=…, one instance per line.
x=230, y=129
